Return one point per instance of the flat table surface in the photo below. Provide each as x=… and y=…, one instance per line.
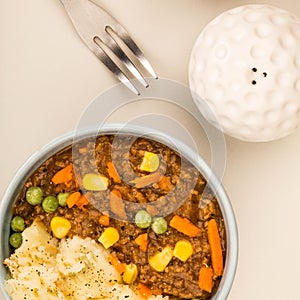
x=48, y=78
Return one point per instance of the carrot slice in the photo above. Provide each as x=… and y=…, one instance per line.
x=78, y=200
x=141, y=182
x=142, y=241
x=206, y=279
x=117, y=205
x=64, y=176
x=144, y=291
x=104, y=220
x=73, y=198
x=164, y=184
x=81, y=202
x=120, y=267
x=112, y=172
x=185, y=226
x=215, y=247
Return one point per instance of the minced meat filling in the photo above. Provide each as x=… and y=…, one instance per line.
x=173, y=189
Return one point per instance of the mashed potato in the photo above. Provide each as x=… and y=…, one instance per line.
x=46, y=268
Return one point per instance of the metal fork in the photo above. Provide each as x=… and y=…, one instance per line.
x=98, y=29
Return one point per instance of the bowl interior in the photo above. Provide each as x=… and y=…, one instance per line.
x=60, y=143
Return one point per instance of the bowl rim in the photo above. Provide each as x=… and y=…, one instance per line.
x=118, y=128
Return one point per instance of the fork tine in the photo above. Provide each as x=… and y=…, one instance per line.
x=90, y=21
x=124, y=35
x=110, y=64
x=111, y=43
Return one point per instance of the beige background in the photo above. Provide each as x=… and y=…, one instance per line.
x=48, y=77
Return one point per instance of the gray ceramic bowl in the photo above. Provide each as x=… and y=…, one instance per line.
x=36, y=159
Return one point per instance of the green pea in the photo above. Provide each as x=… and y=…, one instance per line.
x=34, y=195
x=159, y=225
x=62, y=198
x=16, y=239
x=142, y=219
x=17, y=224
x=50, y=204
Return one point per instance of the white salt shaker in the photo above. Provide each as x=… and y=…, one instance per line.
x=246, y=66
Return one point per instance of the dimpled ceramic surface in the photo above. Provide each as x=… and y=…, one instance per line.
x=246, y=65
